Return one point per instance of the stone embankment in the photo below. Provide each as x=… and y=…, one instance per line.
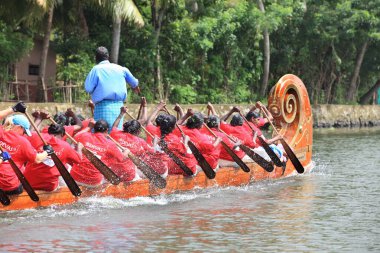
x=323, y=115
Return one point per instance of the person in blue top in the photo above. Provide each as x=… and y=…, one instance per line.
x=106, y=83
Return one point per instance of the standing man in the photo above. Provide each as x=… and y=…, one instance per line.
x=106, y=83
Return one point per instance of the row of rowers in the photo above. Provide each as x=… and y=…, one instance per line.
x=27, y=150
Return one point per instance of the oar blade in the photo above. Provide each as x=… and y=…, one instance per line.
x=210, y=173
x=70, y=182
x=4, y=199
x=149, y=172
x=175, y=158
x=293, y=158
x=237, y=160
x=103, y=168
x=270, y=152
x=32, y=194
x=257, y=159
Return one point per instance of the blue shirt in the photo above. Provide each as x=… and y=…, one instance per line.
x=106, y=81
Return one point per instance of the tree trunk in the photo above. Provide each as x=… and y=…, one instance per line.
x=157, y=16
x=264, y=83
x=43, y=60
x=353, y=83
x=368, y=95
x=116, y=28
x=82, y=20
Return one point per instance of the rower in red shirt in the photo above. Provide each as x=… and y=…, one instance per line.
x=178, y=146
x=12, y=140
x=45, y=176
x=237, y=130
x=210, y=150
x=128, y=138
x=84, y=172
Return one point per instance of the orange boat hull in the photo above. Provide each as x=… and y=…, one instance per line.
x=295, y=126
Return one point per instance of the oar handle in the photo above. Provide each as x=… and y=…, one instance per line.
x=212, y=132
x=229, y=137
x=146, y=131
x=117, y=143
x=35, y=128
x=246, y=121
x=68, y=135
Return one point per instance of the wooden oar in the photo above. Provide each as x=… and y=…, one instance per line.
x=4, y=199
x=164, y=146
x=98, y=164
x=210, y=173
x=32, y=194
x=255, y=157
x=70, y=182
x=293, y=158
x=265, y=145
x=148, y=171
x=139, y=114
x=237, y=160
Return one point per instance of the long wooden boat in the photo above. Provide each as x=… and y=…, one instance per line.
x=288, y=102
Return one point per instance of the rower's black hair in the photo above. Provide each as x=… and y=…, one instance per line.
x=132, y=127
x=213, y=121
x=236, y=120
x=60, y=118
x=167, y=125
x=56, y=129
x=101, y=54
x=101, y=126
x=159, y=118
x=195, y=121
x=252, y=114
x=72, y=120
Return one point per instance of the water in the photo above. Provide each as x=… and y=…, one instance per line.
x=335, y=208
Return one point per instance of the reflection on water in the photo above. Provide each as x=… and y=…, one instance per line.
x=335, y=208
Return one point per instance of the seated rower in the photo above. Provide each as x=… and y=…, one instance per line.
x=45, y=176
x=225, y=160
x=178, y=146
x=14, y=142
x=210, y=150
x=128, y=138
x=84, y=172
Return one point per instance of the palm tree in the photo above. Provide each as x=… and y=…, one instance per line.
x=120, y=9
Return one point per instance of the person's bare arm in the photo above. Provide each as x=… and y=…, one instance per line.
x=78, y=123
x=144, y=113
x=267, y=112
x=211, y=108
x=123, y=111
x=184, y=117
x=153, y=115
x=179, y=110
x=227, y=115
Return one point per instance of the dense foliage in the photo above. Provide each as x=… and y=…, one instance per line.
x=194, y=51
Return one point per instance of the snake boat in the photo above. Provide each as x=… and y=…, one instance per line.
x=289, y=104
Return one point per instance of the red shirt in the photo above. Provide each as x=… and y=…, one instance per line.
x=154, y=130
x=205, y=146
x=140, y=148
x=44, y=176
x=21, y=152
x=103, y=148
x=223, y=153
x=241, y=133
x=178, y=148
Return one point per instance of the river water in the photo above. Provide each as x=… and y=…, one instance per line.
x=336, y=208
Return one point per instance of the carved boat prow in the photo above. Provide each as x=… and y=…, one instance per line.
x=290, y=106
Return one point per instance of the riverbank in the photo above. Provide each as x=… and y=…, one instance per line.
x=324, y=116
